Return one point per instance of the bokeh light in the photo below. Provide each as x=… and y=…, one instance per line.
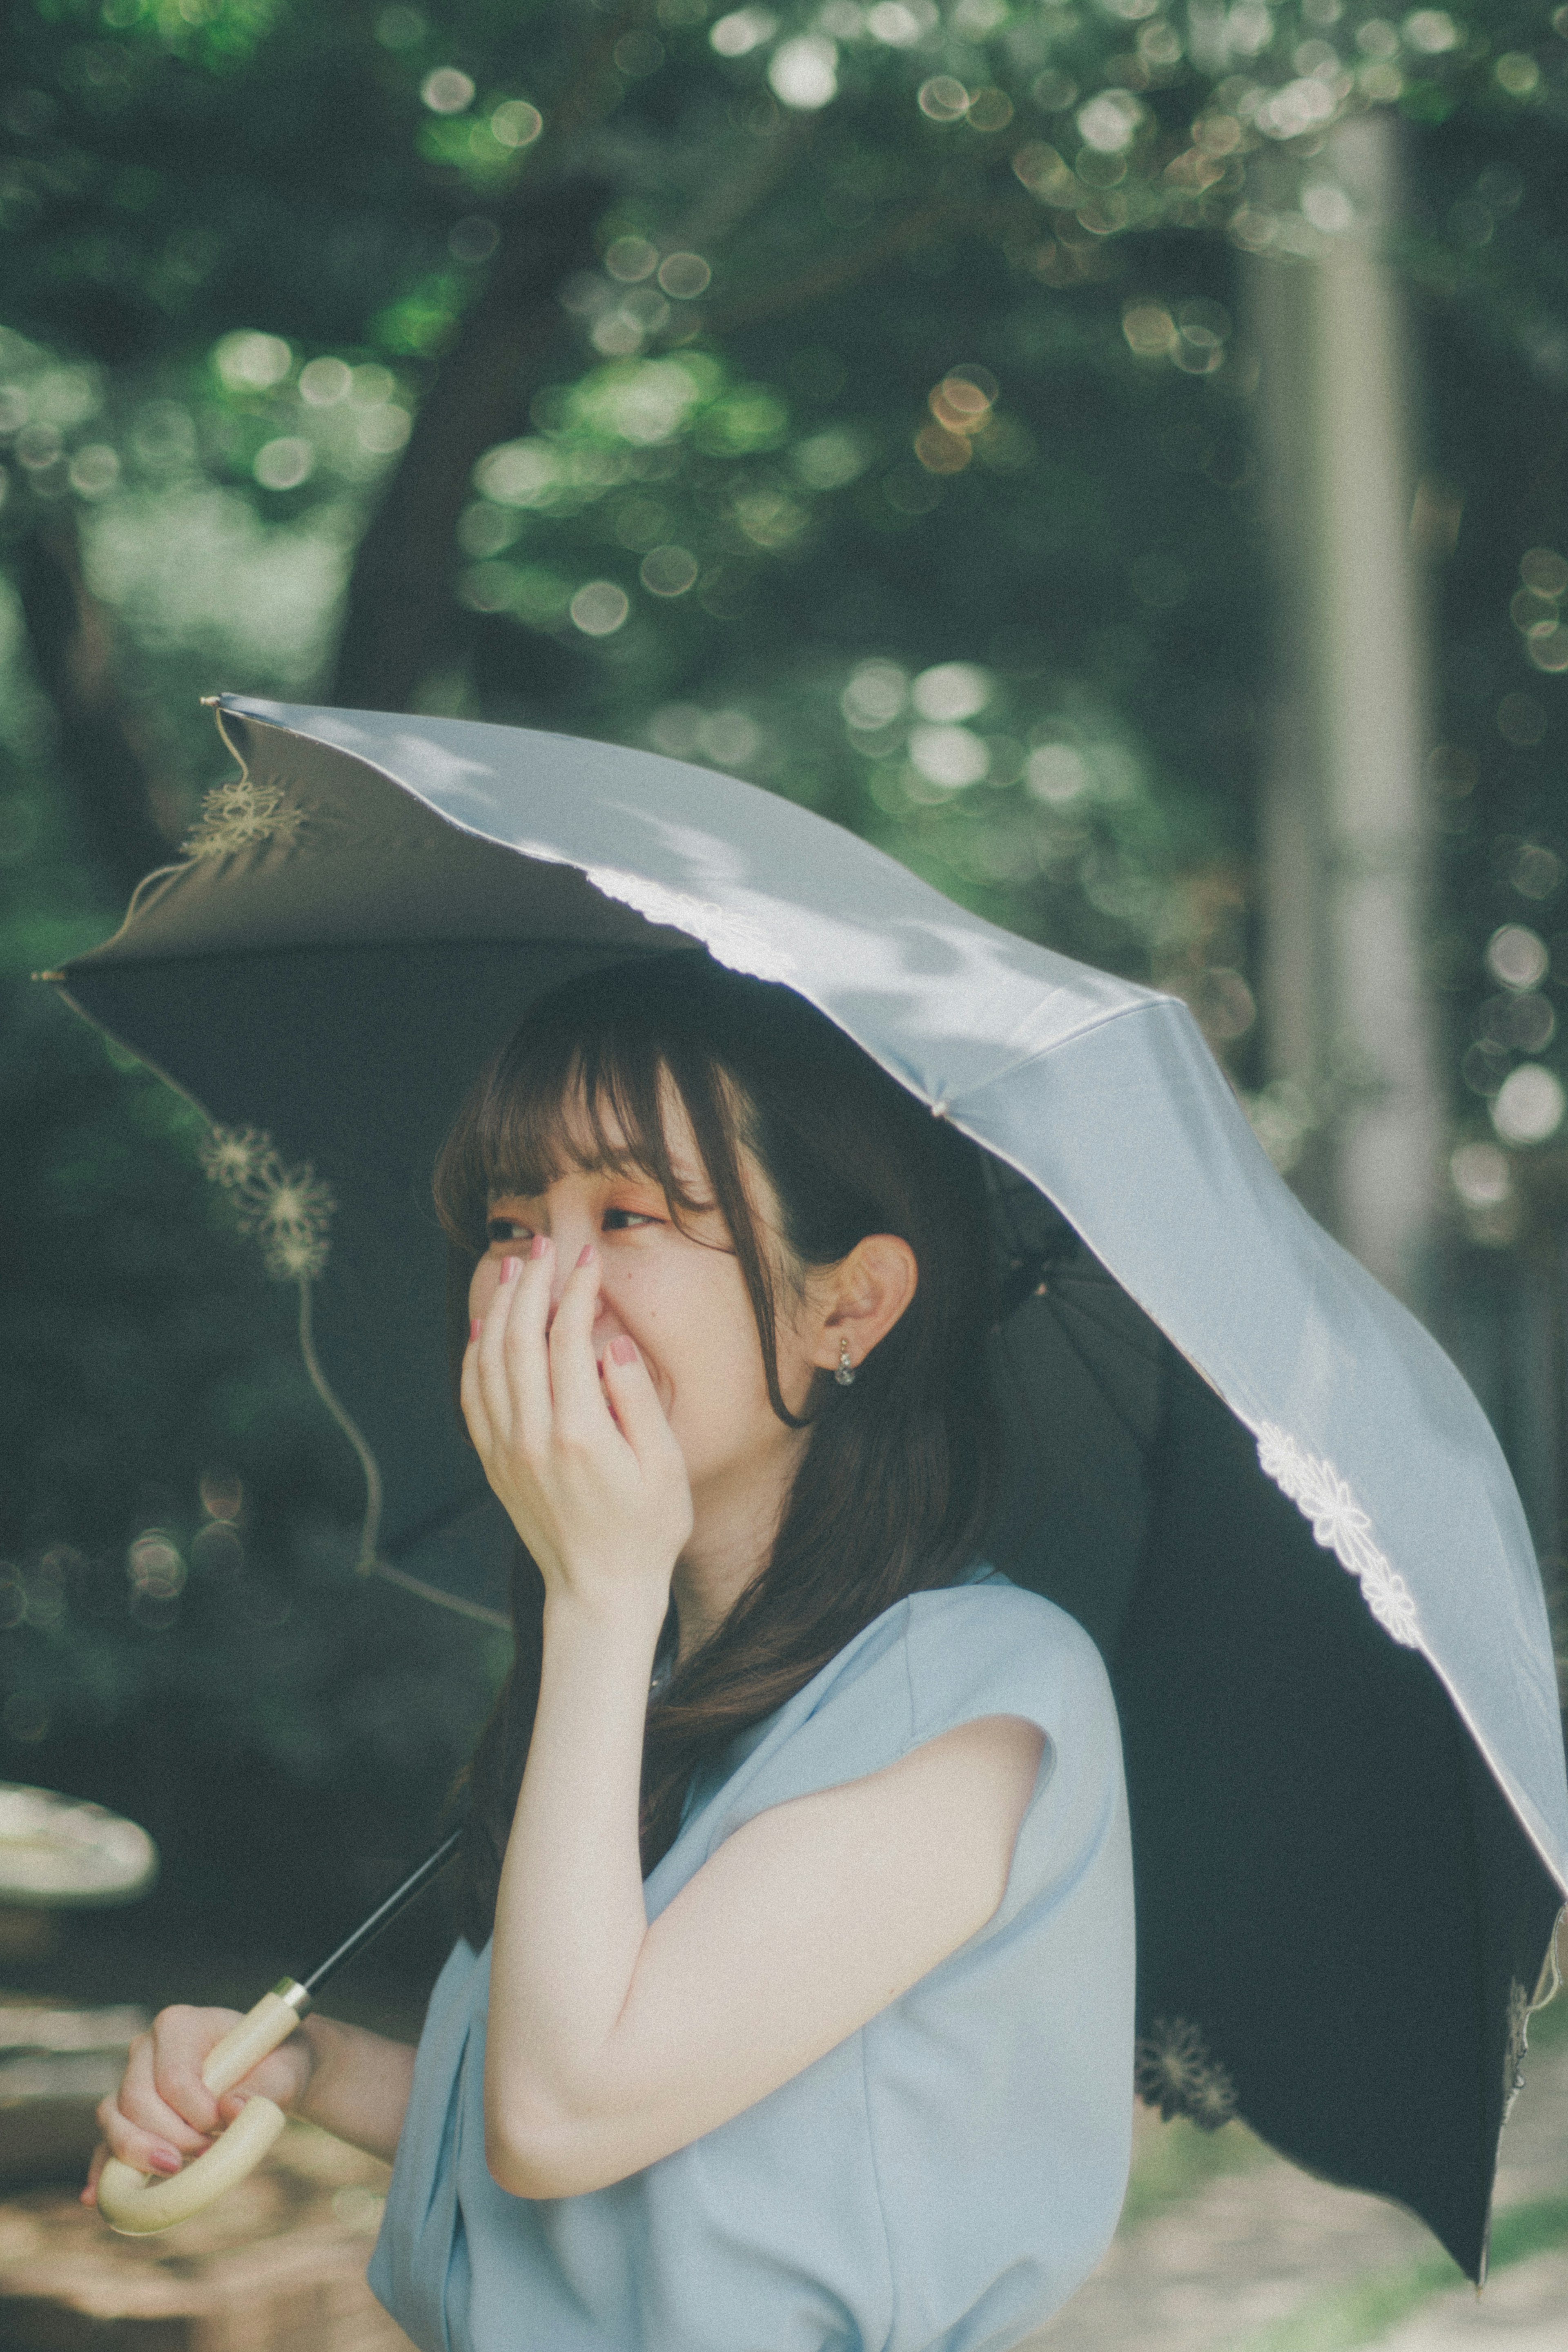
x=1517, y=957
x=826, y=461
x=325, y=381
x=684, y=275
x=94, y=470
x=1536, y=872
x=448, y=90
x=1481, y=1175
x=1528, y=1105
x=951, y=691
x=1112, y=121
x=942, y=98
x=283, y=464
x=1545, y=572
x=221, y=1495
x=253, y=363
x=951, y=757
x=516, y=123
x=1431, y=31
x=900, y=25
x=1518, y=73
x=631, y=259
x=668, y=570
x=1056, y=774
x=155, y=1566
x=876, y=695
x=743, y=30
x=599, y=608
x=1520, y=1025
x=803, y=73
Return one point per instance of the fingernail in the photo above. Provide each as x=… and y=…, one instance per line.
x=585, y=1254
x=623, y=1350
x=163, y=2159
x=538, y=1246
x=509, y=1268
x=473, y=1327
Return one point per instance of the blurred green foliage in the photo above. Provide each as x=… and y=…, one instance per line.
x=859, y=399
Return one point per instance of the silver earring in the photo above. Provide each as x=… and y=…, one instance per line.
x=846, y=1371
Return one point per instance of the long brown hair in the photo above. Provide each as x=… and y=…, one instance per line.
x=895, y=1475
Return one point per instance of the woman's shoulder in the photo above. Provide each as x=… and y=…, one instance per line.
x=987, y=1646
x=930, y=1662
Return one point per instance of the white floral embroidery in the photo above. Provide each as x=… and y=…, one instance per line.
x=1342, y=1527
x=290, y=1208
x=236, y=815
x=733, y=941
x=1173, y=2069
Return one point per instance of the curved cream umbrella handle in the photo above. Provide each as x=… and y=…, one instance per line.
x=137, y=2205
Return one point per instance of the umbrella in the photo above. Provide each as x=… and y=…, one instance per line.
x=1247, y=1471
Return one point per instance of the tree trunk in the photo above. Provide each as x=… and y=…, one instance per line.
x=103, y=747
x=1344, y=837
x=402, y=620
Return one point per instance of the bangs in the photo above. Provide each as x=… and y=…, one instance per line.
x=555, y=1104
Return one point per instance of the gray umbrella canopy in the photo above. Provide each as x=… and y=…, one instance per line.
x=1257, y=1480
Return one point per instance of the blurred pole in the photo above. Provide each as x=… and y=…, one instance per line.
x=1343, y=836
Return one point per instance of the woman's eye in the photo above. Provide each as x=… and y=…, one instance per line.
x=500, y=1230
x=620, y=1221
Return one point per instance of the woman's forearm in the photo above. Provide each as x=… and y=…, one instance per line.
x=571, y=1919
x=359, y=2085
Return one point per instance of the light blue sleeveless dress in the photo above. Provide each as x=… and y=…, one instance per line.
x=941, y=2181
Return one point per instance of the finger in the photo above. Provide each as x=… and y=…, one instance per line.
x=485, y=1349
x=178, y=2051
x=579, y=1408
x=636, y=1404
x=163, y=2098
x=512, y=1361
x=470, y=1395
x=143, y=2150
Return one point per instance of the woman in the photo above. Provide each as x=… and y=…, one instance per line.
x=794, y=2004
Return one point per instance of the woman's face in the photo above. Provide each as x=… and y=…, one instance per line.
x=682, y=1296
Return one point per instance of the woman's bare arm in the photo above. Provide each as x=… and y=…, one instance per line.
x=359, y=2086
x=613, y=2044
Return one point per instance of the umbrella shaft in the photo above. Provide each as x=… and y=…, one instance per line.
x=384, y=1914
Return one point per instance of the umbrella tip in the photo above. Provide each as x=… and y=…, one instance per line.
x=211, y=701
x=56, y=976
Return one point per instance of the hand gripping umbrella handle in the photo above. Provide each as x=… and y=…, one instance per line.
x=138, y=2206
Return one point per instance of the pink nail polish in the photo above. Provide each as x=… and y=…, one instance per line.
x=509, y=1268
x=473, y=1327
x=163, y=2159
x=585, y=1254
x=623, y=1350
x=538, y=1246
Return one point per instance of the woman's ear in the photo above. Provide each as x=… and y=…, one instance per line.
x=863, y=1297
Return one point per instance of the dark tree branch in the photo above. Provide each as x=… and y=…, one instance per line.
x=105, y=748
x=402, y=619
